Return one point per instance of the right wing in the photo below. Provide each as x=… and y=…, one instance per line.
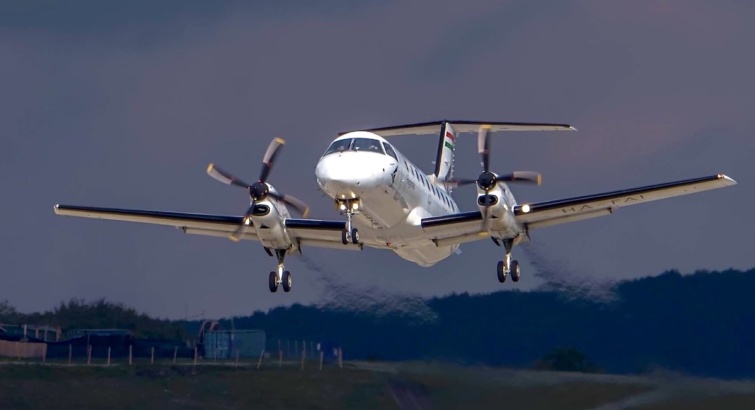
x=309, y=232
x=542, y=214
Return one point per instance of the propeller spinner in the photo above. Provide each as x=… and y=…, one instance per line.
x=487, y=180
x=259, y=190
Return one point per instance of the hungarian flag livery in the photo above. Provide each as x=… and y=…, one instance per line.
x=445, y=159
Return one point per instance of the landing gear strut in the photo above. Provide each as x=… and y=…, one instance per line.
x=507, y=266
x=280, y=276
x=349, y=207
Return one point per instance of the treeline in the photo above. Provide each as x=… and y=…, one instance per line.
x=702, y=323
x=97, y=314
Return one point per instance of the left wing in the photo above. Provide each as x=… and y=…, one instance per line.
x=466, y=226
x=542, y=214
x=311, y=232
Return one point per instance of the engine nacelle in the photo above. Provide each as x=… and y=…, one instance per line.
x=268, y=217
x=500, y=209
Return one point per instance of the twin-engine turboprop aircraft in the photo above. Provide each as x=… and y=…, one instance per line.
x=388, y=203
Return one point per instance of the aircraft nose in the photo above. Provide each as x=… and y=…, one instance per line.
x=352, y=174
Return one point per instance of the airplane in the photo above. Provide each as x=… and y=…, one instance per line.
x=386, y=202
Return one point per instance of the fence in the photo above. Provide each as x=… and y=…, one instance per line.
x=78, y=354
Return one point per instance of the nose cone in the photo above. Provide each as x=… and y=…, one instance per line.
x=352, y=174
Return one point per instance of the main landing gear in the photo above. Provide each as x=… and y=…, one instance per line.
x=280, y=276
x=507, y=266
x=349, y=207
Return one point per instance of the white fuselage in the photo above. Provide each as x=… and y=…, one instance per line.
x=395, y=195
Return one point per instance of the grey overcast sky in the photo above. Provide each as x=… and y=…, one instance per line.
x=124, y=104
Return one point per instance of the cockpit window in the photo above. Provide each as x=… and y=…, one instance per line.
x=389, y=150
x=357, y=144
x=338, y=146
x=367, y=144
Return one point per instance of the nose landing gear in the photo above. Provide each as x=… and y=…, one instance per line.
x=349, y=207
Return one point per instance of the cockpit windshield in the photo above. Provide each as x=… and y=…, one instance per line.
x=338, y=146
x=355, y=144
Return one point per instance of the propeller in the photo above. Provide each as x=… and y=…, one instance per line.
x=487, y=180
x=259, y=190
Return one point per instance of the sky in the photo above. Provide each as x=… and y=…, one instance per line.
x=124, y=105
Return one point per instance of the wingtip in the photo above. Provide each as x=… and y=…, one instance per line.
x=728, y=180
x=55, y=208
x=280, y=140
x=210, y=167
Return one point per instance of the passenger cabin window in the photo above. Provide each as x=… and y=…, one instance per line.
x=389, y=150
x=366, y=144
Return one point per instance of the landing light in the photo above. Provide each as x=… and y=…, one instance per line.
x=342, y=206
x=355, y=206
x=525, y=208
x=247, y=221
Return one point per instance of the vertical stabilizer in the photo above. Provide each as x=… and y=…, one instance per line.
x=444, y=162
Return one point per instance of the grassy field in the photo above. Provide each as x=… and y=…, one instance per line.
x=357, y=386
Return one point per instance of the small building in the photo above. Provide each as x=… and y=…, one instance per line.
x=225, y=344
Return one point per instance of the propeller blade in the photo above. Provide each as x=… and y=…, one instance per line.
x=483, y=147
x=295, y=203
x=269, y=158
x=522, y=176
x=225, y=177
x=246, y=221
x=453, y=183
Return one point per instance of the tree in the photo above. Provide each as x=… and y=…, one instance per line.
x=566, y=359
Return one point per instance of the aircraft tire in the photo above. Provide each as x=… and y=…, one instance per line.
x=501, y=273
x=354, y=236
x=516, y=272
x=344, y=236
x=272, y=282
x=287, y=281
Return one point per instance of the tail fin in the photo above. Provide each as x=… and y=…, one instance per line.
x=444, y=162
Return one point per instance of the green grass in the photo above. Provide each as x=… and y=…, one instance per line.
x=386, y=386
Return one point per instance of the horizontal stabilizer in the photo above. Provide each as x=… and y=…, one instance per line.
x=461, y=126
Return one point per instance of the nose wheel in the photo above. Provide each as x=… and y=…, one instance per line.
x=349, y=207
x=280, y=276
x=507, y=266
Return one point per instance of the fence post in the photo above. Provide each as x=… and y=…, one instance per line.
x=322, y=354
x=108, y=356
x=152, y=359
x=237, y=357
x=196, y=354
x=340, y=358
x=259, y=363
x=70, y=354
x=130, y=354
x=175, y=354
x=89, y=355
